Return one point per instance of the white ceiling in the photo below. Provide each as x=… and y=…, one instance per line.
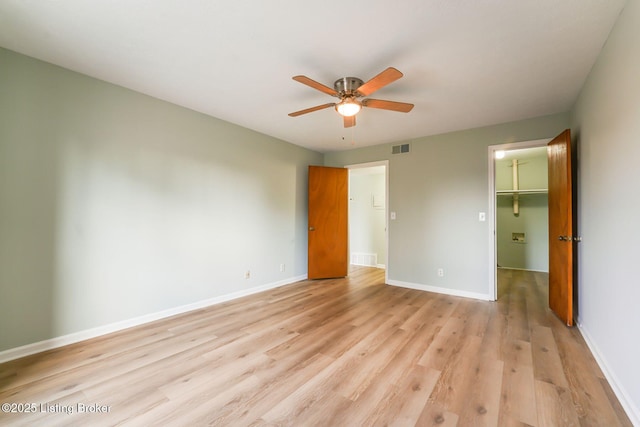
x=466, y=63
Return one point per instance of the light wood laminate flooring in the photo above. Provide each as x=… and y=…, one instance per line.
x=343, y=352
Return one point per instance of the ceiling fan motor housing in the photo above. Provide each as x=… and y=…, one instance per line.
x=347, y=85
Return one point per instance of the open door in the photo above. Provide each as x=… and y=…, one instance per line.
x=328, y=222
x=561, y=227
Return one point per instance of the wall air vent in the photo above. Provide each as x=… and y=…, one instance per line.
x=400, y=149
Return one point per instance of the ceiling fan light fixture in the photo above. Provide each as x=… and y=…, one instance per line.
x=348, y=107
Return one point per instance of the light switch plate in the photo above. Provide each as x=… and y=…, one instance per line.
x=482, y=216
x=393, y=215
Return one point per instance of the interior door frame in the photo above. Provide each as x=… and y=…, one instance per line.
x=492, y=214
x=384, y=163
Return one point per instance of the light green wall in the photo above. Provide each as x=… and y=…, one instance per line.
x=533, y=253
x=606, y=127
x=532, y=219
x=366, y=221
x=114, y=205
x=532, y=171
x=437, y=191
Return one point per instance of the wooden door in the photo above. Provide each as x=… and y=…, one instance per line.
x=328, y=214
x=561, y=227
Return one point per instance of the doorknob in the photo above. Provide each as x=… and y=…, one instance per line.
x=565, y=238
x=312, y=229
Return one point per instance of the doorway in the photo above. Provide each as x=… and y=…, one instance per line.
x=518, y=208
x=368, y=214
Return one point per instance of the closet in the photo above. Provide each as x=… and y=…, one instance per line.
x=522, y=209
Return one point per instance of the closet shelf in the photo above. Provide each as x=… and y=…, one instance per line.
x=516, y=192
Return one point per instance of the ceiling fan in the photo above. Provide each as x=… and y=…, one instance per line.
x=349, y=90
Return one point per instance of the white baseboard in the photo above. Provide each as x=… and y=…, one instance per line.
x=37, y=347
x=633, y=412
x=380, y=266
x=439, y=290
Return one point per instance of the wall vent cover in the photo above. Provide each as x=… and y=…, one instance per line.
x=368, y=260
x=400, y=149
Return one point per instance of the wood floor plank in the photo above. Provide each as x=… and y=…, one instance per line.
x=445, y=345
x=350, y=351
x=404, y=402
x=456, y=373
x=495, y=340
x=546, y=360
x=372, y=402
x=518, y=394
x=356, y=380
x=298, y=404
x=433, y=309
x=278, y=381
x=482, y=397
x=554, y=406
x=517, y=316
x=434, y=415
x=199, y=408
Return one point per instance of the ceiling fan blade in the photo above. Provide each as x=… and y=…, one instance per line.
x=314, y=84
x=312, y=109
x=349, y=121
x=402, y=107
x=384, y=78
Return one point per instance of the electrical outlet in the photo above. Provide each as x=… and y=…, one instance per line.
x=281, y=267
x=247, y=275
x=440, y=272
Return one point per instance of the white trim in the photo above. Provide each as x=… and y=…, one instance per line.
x=491, y=221
x=491, y=224
x=40, y=346
x=633, y=412
x=384, y=163
x=439, y=290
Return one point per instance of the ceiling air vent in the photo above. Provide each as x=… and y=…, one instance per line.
x=400, y=149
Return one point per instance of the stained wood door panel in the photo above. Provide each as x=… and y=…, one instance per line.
x=376, y=359
x=561, y=227
x=328, y=222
